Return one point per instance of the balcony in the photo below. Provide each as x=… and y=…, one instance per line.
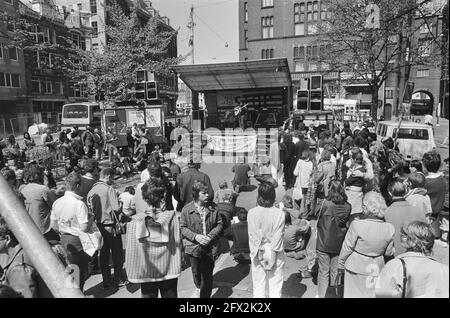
x=48, y=11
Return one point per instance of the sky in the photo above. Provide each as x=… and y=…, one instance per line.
x=216, y=24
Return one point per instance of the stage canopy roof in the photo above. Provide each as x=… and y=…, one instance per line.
x=256, y=74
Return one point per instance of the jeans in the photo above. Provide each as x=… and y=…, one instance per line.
x=167, y=288
x=328, y=268
x=112, y=244
x=202, y=272
x=76, y=256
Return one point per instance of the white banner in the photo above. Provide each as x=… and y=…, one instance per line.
x=232, y=143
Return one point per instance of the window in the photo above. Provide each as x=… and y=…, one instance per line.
x=94, y=25
x=308, y=52
x=310, y=11
x=35, y=85
x=47, y=87
x=57, y=88
x=323, y=12
x=410, y=133
x=245, y=11
x=299, y=29
x=315, y=51
x=315, y=10
x=301, y=52
x=15, y=80
x=1, y=50
x=80, y=6
x=267, y=3
x=95, y=47
x=52, y=36
x=299, y=66
x=312, y=29
x=2, y=79
x=93, y=4
x=46, y=34
x=245, y=39
x=312, y=67
x=267, y=27
x=295, y=51
x=267, y=54
x=423, y=73
x=389, y=93
x=13, y=53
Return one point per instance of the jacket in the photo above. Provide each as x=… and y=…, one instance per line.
x=366, y=243
x=38, y=203
x=191, y=225
x=153, y=253
x=400, y=213
x=88, y=138
x=418, y=197
x=102, y=200
x=183, y=187
x=331, y=226
x=426, y=278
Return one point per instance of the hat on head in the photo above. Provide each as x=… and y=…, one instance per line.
x=267, y=180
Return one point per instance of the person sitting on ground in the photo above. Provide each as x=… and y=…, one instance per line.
x=241, y=178
x=296, y=236
x=126, y=200
x=239, y=232
x=140, y=160
x=223, y=190
x=417, y=195
x=287, y=205
x=426, y=278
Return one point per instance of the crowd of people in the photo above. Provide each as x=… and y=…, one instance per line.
x=352, y=208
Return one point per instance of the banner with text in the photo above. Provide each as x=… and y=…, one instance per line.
x=232, y=143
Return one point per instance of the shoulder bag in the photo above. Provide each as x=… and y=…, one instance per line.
x=405, y=278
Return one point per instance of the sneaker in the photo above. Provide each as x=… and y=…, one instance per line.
x=122, y=283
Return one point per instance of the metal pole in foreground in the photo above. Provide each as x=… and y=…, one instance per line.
x=34, y=245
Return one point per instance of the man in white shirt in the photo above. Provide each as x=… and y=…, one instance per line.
x=265, y=232
x=70, y=217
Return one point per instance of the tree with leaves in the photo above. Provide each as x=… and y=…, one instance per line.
x=134, y=42
x=371, y=40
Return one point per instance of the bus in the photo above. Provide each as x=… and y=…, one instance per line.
x=81, y=115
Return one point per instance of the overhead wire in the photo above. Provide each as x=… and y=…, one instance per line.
x=211, y=29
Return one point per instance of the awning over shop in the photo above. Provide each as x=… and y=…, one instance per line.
x=256, y=74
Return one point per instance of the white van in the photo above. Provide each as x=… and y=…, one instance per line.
x=413, y=139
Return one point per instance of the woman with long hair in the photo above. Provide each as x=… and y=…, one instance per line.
x=153, y=245
x=331, y=229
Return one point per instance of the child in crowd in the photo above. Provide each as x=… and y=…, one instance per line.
x=239, y=231
x=302, y=171
x=127, y=202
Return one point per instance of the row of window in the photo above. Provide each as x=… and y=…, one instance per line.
x=306, y=52
x=46, y=86
x=9, y=80
x=267, y=54
x=12, y=53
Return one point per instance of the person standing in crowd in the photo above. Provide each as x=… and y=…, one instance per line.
x=185, y=181
x=90, y=177
x=98, y=144
x=241, y=178
x=417, y=195
x=331, y=229
x=436, y=188
x=328, y=169
x=28, y=141
x=69, y=217
x=223, y=190
x=366, y=243
x=426, y=278
x=391, y=163
x=200, y=228
x=227, y=210
x=103, y=201
x=112, y=149
x=302, y=171
x=39, y=200
x=289, y=161
x=265, y=231
x=153, y=248
x=88, y=141
x=401, y=212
